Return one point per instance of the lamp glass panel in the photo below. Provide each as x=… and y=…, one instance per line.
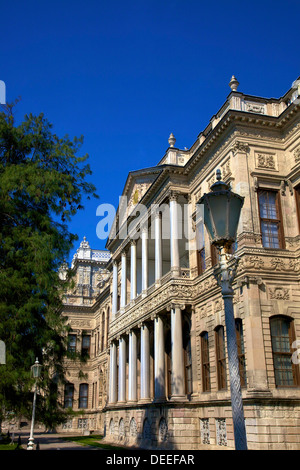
x=218, y=206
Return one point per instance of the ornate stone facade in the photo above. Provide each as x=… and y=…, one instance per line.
x=157, y=369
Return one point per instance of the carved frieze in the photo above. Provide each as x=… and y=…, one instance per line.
x=81, y=323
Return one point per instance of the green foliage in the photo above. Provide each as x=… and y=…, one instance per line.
x=42, y=183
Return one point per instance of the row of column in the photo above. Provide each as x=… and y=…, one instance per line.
x=117, y=390
x=174, y=255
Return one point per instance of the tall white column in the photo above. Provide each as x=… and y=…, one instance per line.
x=115, y=288
x=174, y=235
x=159, y=359
x=178, y=381
x=144, y=259
x=158, y=247
x=113, y=373
x=123, y=279
x=132, y=367
x=122, y=370
x=133, y=270
x=145, y=362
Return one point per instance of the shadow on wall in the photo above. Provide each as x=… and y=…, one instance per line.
x=151, y=433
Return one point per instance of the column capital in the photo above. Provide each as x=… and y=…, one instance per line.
x=173, y=195
x=173, y=305
x=240, y=147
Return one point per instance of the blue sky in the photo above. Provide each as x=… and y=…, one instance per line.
x=125, y=74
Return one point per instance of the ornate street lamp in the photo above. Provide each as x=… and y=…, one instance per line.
x=36, y=372
x=222, y=210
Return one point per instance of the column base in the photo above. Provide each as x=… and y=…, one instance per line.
x=132, y=402
x=175, y=271
x=178, y=398
x=145, y=401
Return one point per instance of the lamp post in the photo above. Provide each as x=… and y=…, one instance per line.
x=36, y=371
x=222, y=210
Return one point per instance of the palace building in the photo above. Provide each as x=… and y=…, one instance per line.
x=148, y=313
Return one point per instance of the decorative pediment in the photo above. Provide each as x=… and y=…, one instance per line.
x=134, y=193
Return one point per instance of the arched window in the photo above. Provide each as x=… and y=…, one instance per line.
x=205, y=366
x=220, y=357
x=69, y=395
x=282, y=336
x=83, y=395
x=241, y=350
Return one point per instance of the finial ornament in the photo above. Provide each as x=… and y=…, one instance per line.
x=172, y=140
x=234, y=83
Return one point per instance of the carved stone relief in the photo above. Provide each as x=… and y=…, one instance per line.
x=279, y=293
x=297, y=154
x=266, y=161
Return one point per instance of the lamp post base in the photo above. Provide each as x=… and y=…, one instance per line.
x=30, y=443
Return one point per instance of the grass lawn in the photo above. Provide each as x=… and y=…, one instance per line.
x=92, y=440
x=5, y=444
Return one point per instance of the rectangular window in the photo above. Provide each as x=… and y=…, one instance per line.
x=205, y=362
x=201, y=261
x=69, y=395
x=297, y=194
x=221, y=358
x=85, y=347
x=200, y=249
x=241, y=350
x=72, y=343
x=270, y=219
x=83, y=395
x=283, y=336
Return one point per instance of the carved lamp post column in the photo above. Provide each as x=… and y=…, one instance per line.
x=36, y=372
x=222, y=210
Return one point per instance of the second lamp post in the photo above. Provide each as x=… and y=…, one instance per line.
x=222, y=210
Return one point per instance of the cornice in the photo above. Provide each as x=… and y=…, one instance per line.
x=235, y=116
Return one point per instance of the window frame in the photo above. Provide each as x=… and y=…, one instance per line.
x=85, y=352
x=69, y=396
x=282, y=354
x=241, y=351
x=205, y=364
x=83, y=396
x=72, y=349
x=221, y=358
x=201, y=264
x=278, y=220
x=297, y=197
